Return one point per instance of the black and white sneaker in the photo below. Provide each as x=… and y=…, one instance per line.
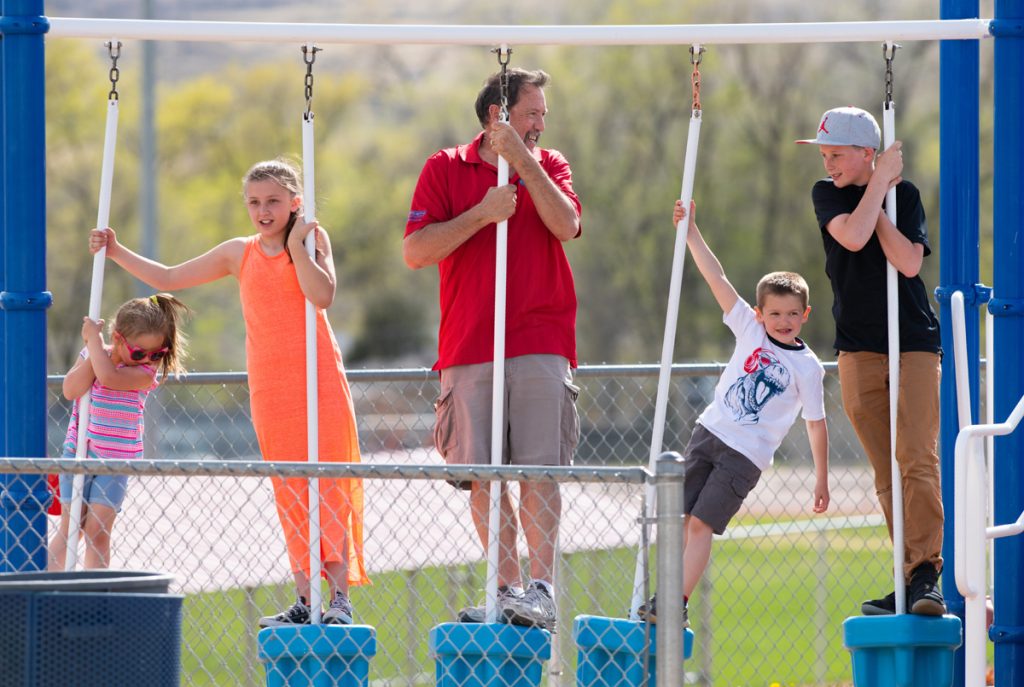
x=297, y=614
x=884, y=606
x=648, y=612
x=923, y=595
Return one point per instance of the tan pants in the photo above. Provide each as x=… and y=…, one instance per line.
x=864, y=378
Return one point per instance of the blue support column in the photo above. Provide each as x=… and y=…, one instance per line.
x=23, y=298
x=958, y=256
x=1008, y=307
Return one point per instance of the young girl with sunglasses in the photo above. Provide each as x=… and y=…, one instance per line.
x=146, y=338
x=276, y=276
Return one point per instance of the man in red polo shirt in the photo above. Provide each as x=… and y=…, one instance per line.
x=452, y=224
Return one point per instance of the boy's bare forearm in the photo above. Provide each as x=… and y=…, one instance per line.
x=711, y=269
x=854, y=230
x=905, y=255
x=817, y=435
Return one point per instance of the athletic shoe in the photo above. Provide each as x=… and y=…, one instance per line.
x=924, y=597
x=648, y=612
x=884, y=606
x=339, y=612
x=478, y=614
x=298, y=614
x=535, y=608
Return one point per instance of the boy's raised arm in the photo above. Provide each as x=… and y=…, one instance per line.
x=709, y=266
x=817, y=435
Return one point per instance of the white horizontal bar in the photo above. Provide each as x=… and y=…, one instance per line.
x=668, y=34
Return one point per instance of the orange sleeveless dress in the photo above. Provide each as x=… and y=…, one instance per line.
x=274, y=309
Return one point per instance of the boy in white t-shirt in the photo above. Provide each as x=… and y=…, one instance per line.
x=770, y=376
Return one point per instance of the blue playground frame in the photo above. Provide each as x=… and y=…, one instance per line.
x=24, y=299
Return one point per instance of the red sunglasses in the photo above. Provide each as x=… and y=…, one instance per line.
x=140, y=354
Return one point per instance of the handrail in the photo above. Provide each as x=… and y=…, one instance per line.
x=960, y=368
x=970, y=516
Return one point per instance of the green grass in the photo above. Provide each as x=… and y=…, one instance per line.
x=770, y=611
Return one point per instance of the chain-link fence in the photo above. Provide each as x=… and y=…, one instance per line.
x=768, y=610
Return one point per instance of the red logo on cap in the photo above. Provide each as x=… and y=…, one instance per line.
x=821, y=127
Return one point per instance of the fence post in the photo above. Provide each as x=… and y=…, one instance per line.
x=669, y=477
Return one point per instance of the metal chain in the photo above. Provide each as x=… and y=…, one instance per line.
x=503, y=79
x=889, y=53
x=114, y=48
x=696, y=53
x=309, y=56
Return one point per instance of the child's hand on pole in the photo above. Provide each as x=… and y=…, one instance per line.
x=678, y=213
x=91, y=329
x=103, y=238
x=890, y=164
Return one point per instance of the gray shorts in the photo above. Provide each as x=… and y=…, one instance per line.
x=718, y=478
x=542, y=426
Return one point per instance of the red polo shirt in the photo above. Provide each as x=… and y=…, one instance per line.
x=540, y=296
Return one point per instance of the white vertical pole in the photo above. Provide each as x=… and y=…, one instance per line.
x=893, y=317
x=990, y=446
x=497, y=400
x=975, y=634
x=95, y=302
x=312, y=408
x=667, y=348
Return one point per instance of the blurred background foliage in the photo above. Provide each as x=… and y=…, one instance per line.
x=620, y=115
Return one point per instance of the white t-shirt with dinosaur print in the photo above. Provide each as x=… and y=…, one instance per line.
x=762, y=388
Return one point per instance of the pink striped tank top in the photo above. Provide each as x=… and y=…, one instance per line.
x=115, y=421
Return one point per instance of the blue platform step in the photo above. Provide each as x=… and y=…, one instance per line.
x=614, y=651
x=902, y=650
x=488, y=654
x=317, y=655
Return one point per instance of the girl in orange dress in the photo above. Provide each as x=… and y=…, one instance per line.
x=276, y=276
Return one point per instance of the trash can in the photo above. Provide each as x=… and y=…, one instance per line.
x=117, y=628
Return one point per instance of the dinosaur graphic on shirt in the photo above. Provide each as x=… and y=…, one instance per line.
x=765, y=378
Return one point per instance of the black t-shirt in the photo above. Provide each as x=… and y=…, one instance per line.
x=858, y=278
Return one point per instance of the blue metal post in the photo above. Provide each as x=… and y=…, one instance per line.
x=1008, y=307
x=958, y=255
x=23, y=298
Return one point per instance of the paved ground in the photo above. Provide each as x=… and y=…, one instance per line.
x=223, y=533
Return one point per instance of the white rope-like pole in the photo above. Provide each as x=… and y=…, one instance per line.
x=483, y=35
x=312, y=406
x=667, y=350
x=497, y=395
x=893, y=319
x=95, y=302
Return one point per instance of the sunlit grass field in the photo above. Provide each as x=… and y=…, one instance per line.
x=770, y=612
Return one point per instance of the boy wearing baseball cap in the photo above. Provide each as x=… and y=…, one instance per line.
x=859, y=239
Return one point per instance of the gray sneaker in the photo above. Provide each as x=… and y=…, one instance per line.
x=535, y=608
x=478, y=614
x=339, y=612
